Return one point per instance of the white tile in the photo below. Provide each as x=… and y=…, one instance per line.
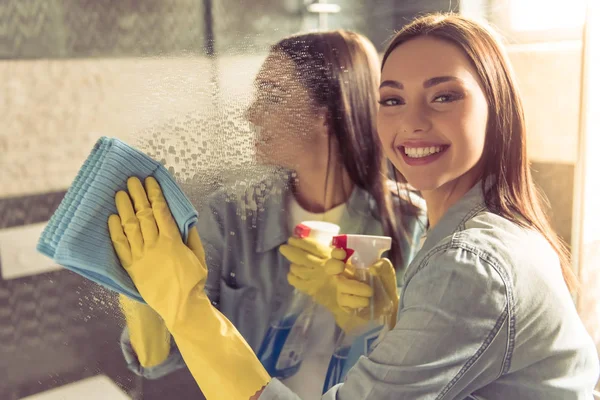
x=18, y=254
x=96, y=388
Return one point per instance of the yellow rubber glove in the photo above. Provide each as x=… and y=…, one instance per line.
x=170, y=278
x=312, y=273
x=148, y=334
x=354, y=296
x=307, y=259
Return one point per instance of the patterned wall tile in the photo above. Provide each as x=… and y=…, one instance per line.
x=57, y=327
x=54, y=110
x=26, y=210
x=380, y=19
x=31, y=28
x=246, y=30
x=88, y=28
x=52, y=324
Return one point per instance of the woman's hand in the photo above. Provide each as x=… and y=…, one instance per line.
x=149, y=245
x=307, y=259
x=170, y=276
x=355, y=297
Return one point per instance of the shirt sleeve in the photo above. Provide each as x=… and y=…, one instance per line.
x=449, y=341
x=172, y=363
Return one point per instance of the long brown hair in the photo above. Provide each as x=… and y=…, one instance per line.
x=513, y=194
x=340, y=69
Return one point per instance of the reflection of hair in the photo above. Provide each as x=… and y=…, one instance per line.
x=340, y=69
x=513, y=195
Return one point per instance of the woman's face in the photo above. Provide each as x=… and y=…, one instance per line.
x=433, y=113
x=286, y=123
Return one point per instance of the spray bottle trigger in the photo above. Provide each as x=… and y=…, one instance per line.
x=349, y=253
x=341, y=242
x=302, y=231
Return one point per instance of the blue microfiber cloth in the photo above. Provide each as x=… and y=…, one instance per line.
x=77, y=237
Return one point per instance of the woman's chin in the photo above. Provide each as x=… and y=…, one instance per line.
x=424, y=184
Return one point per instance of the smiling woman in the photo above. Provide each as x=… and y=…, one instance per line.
x=429, y=104
x=485, y=311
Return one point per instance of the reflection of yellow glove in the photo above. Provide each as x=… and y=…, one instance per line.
x=170, y=278
x=355, y=297
x=148, y=334
x=312, y=272
x=307, y=270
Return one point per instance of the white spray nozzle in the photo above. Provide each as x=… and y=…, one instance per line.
x=321, y=231
x=362, y=250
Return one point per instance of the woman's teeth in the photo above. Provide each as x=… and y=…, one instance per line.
x=418, y=152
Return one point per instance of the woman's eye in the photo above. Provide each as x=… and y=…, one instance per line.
x=390, y=102
x=446, y=98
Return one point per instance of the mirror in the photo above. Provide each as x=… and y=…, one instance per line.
x=178, y=80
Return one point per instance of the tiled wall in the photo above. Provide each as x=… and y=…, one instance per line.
x=53, y=113
x=57, y=328
x=88, y=28
x=54, y=110
x=48, y=322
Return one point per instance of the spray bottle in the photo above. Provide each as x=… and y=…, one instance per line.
x=283, y=347
x=362, y=251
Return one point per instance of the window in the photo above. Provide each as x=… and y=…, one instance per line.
x=525, y=21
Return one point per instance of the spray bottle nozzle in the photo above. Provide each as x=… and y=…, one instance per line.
x=318, y=230
x=302, y=231
x=362, y=250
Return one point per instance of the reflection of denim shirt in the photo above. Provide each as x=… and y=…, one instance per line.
x=484, y=314
x=247, y=278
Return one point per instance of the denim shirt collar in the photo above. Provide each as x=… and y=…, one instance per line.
x=272, y=222
x=457, y=215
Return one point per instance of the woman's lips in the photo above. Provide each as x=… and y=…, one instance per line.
x=422, y=153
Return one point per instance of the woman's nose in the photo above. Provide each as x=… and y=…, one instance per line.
x=251, y=114
x=416, y=119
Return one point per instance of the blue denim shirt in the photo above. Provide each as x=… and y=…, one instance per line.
x=241, y=231
x=484, y=314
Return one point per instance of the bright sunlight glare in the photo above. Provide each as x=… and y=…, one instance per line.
x=546, y=15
